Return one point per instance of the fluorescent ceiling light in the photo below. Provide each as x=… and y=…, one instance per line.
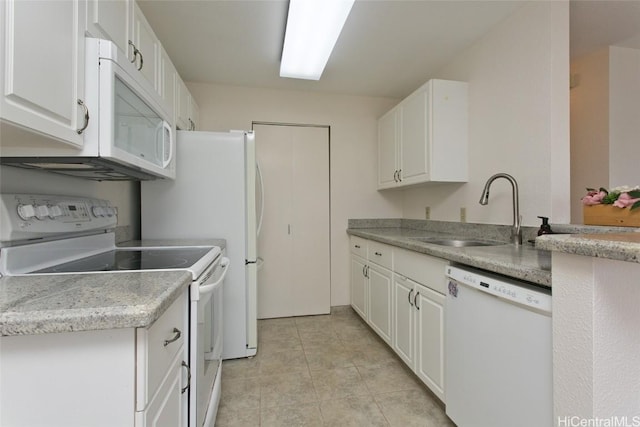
x=313, y=27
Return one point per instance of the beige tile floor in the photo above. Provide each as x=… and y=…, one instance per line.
x=328, y=370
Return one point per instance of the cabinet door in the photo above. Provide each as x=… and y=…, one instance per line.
x=430, y=339
x=414, y=144
x=42, y=63
x=403, y=293
x=166, y=407
x=194, y=113
x=380, y=301
x=148, y=45
x=388, y=149
x=183, y=101
x=111, y=20
x=359, y=286
x=167, y=73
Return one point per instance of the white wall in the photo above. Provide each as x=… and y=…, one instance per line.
x=518, y=78
x=605, y=122
x=353, y=122
x=624, y=116
x=124, y=195
x=589, y=127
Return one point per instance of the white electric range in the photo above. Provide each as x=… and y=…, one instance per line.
x=56, y=235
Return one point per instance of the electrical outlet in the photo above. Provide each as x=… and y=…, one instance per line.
x=463, y=214
x=427, y=212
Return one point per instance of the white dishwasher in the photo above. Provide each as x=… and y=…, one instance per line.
x=498, y=370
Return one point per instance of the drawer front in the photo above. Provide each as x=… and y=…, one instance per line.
x=381, y=254
x=424, y=269
x=153, y=356
x=359, y=246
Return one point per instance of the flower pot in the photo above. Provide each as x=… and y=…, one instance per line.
x=611, y=215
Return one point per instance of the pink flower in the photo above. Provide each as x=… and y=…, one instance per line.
x=624, y=200
x=593, y=197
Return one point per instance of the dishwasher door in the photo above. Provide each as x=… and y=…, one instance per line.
x=498, y=370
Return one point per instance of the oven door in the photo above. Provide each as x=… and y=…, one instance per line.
x=206, y=344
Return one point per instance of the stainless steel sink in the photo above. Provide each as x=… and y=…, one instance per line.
x=457, y=243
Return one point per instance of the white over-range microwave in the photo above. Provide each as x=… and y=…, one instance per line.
x=129, y=132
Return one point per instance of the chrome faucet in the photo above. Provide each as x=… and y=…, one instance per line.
x=516, y=230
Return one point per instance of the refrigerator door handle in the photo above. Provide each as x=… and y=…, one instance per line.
x=261, y=180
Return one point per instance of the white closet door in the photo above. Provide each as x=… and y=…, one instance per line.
x=294, y=242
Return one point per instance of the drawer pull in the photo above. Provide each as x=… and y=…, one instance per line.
x=184, y=365
x=378, y=253
x=176, y=337
x=410, y=292
x=357, y=246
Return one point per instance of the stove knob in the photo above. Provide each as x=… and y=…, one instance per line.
x=42, y=211
x=26, y=212
x=54, y=211
x=97, y=211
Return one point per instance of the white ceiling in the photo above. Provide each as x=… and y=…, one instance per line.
x=387, y=48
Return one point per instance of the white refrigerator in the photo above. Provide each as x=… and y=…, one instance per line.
x=214, y=196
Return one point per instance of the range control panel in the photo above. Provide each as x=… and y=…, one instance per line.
x=36, y=216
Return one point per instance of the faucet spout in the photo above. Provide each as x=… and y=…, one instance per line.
x=516, y=229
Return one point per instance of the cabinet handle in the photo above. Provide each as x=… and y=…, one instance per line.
x=135, y=52
x=357, y=246
x=367, y=272
x=184, y=365
x=410, y=292
x=415, y=300
x=395, y=176
x=400, y=175
x=86, y=116
x=378, y=253
x=175, y=338
x=364, y=270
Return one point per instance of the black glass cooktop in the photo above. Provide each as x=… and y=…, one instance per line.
x=132, y=260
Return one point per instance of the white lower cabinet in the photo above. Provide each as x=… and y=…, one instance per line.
x=115, y=377
x=404, y=303
x=429, y=338
x=419, y=331
x=359, y=285
x=403, y=296
x=371, y=284
x=380, y=301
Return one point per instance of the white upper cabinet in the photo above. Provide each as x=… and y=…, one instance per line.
x=122, y=22
x=187, y=114
x=111, y=20
x=42, y=68
x=146, y=49
x=424, y=138
x=167, y=86
x=388, y=149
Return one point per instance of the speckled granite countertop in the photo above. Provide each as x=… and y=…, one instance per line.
x=616, y=246
x=83, y=302
x=524, y=262
x=42, y=304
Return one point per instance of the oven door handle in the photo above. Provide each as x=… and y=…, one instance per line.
x=210, y=287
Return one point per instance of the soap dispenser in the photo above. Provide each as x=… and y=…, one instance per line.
x=545, y=228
